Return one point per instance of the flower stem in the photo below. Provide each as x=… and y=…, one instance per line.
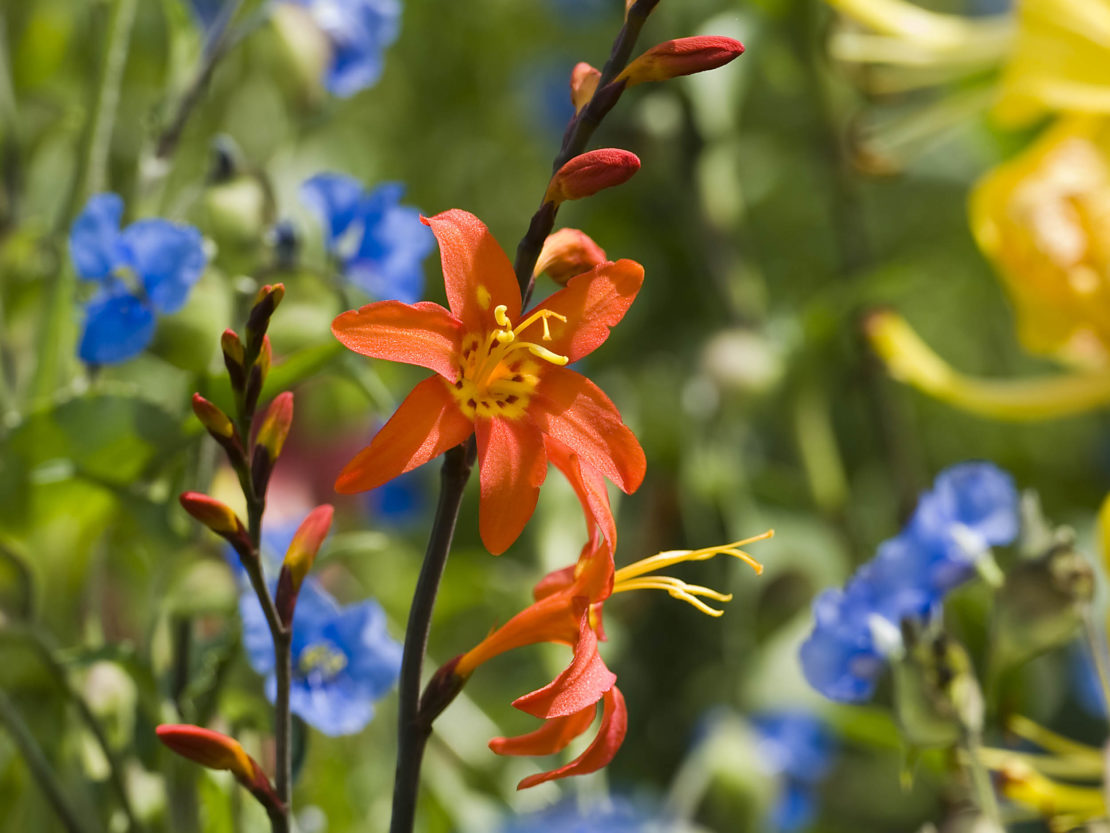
x=413, y=728
x=581, y=128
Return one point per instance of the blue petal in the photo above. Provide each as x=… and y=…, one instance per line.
x=794, y=743
x=338, y=707
x=256, y=633
x=315, y=611
x=794, y=808
x=374, y=658
x=359, y=31
x=335, y=200
x=94, y=235
x=206, y=11
x=388, y=261
x=118, y=325
x=841, y=662
x=168, y=258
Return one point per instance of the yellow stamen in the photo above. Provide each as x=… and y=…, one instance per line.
x=678, y=589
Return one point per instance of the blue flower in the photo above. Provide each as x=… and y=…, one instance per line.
x=358, y=31
x=400, y=502
x=343, y=659
x=971, y=508
x=207, y=12
x=617, y=816
x=146, y=269
x=797, y=748
x=379, y=242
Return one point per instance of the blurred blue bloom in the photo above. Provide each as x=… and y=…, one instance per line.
x=207, y=11
x=797, y=748
x=971, y=508
x=379, y=242
x=400, y=502
x=359, y=32
x=1085, y=682
x=146, y=269
x=343, y=658
x=616, y=816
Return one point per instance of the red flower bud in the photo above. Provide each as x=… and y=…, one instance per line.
x=215, y=515
x=275, y=425
x=684, y=56
x=583, y=83
x=302, y=551
x=259, y=318
x=216, y=751
x=212, y=418
x=232, y=346
x=591, y=172
x=568, y=252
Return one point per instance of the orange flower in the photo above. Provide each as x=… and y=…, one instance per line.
x=499, y=374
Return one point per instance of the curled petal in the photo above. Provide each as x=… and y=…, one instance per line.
x=426, y=424
x=583, y=682
x=592, y=303
x=573, y=410
x=477, y=273
x=610, y=736
x=424, y=334
x=589, y=485
x=513, y=466
x=553, y=736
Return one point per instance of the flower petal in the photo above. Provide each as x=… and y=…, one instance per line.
x=573, y=410
x=589, y=485
x=581, y=683
x=94, y=235
x=423, y=334
x=426, y=424
x=512, y=466
x=169, y=258
x=610, y=736
x=476, y=271
x=553, y=736
x=335, y=200
x=388, y=261
x=118, y=325
x=593, y=303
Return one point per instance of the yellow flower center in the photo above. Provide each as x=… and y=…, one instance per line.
x=498, y=373
x=635, y=576
x=322, y=659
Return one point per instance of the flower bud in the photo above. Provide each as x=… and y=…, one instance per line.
x=299, y=557
x=588, y=173
x=217, y=751
x=233, y=358
x=214, y=514
x=275, y=425
x=265, y=302
x=683, y=56
x=212, y=418
x=566, y=253
x=441, y=690
x=583, y=83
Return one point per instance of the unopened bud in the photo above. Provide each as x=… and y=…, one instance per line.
x=233, y=358
x=299, y=558
x=212, y=418
x=265, y=302
x=217, y=751
x=583, y=83
x=214, y=514
x=275, y=425
x=588, y=173
x=442, y=688
x=265, y=357
x=566, y=253
x=683, y=56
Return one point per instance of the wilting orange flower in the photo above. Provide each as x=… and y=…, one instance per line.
x=568, y=610
x=500, y=374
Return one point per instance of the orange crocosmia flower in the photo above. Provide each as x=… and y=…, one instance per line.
x=500, y=374
x=567, y=610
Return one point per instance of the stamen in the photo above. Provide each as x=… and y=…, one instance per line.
x=678, y=589
x=545, y=354
x=666, y=559
x=500, y=315
x=541, y=315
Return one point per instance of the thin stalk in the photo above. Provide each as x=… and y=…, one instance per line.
x=413, y=729
x=581, y=128
x=56, y=794
x=981, y=781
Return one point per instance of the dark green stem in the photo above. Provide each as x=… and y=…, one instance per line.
x=38, y=764
x=413, y=729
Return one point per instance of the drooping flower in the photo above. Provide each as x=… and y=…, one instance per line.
x=380, y=244
x=343, y=658
x=144, y=270
x=971, y=508
x=797, y=748
x=568, y=610
x=358, y=33
x=500, y=374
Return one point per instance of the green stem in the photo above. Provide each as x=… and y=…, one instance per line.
x=413, y=729
x=40, y=768
x=981, y=781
